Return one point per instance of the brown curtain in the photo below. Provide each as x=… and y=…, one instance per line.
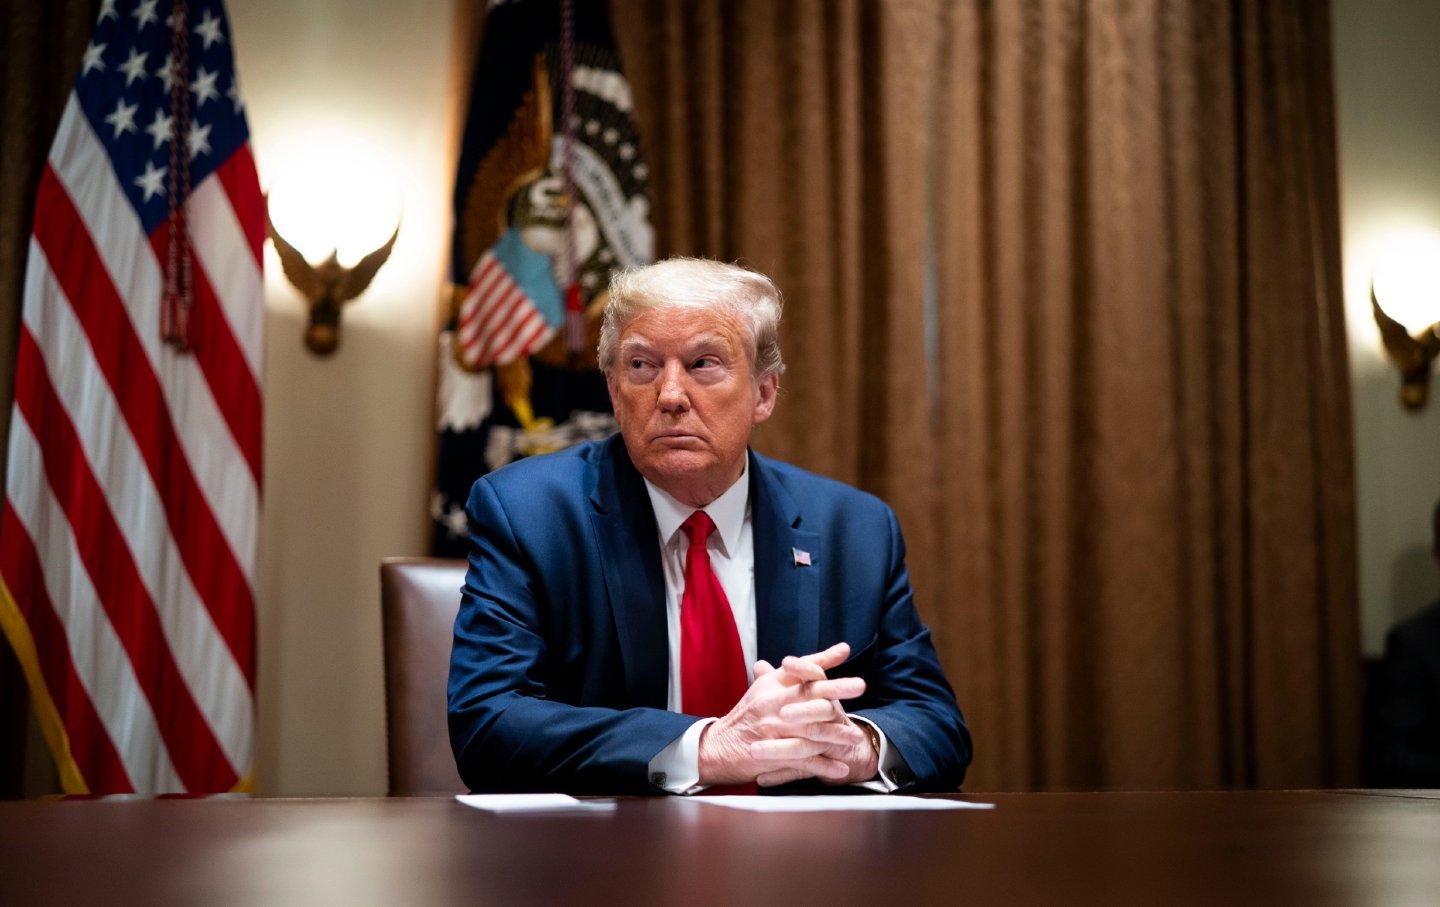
x=39, y=55
x=1062, y=285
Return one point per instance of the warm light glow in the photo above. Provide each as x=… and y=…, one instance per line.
x=1407, y=277
x=329, y=195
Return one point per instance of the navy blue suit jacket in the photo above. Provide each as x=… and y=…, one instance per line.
x=558, y=677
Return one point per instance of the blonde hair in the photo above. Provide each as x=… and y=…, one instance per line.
x=696, y=283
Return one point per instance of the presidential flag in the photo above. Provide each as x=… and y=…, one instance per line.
x=550, y=199
x=128, y=536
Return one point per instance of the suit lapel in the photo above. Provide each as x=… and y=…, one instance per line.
x=787, y=593
x=624, y=527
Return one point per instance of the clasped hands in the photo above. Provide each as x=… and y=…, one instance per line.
x=789, y=726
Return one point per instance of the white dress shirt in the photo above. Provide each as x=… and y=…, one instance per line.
x=732, y=558
x=676, y=768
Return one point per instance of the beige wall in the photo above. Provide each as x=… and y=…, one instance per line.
x=348, y=450
x=1389, y=130
x=348, y=439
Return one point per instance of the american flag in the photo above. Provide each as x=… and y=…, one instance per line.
x=510, y=307
x=128, y=536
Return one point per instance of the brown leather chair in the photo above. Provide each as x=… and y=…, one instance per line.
x=419, y=598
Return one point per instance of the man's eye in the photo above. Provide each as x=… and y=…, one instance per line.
x=706, y=362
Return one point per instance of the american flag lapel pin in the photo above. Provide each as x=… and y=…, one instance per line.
x=802, y=558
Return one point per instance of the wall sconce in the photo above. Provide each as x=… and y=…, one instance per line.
x=1411, y=289
x=335, y=217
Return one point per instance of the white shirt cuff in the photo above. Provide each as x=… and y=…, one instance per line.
x=676, y=768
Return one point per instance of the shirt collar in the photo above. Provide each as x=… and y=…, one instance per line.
x=728, y=511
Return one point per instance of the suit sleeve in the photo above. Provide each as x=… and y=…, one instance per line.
x=508, y=729
x=907, y=695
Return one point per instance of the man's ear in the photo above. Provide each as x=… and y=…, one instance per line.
x=769, y=390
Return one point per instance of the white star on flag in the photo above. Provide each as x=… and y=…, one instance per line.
x=204, y=87
x=145, y=13
x=123, y=117
x=166, y=73
x=209, y=29
x=199, y=140
x=161, y=128
x=151, y=181
x=92, y=59
x=134, y=68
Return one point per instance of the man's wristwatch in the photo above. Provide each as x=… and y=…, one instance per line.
x=874, y=736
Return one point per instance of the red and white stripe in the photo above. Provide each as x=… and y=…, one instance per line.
x=498, y=322
x=129, y=533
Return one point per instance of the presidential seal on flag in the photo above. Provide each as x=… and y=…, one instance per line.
x=565, y=190
x=550, y=199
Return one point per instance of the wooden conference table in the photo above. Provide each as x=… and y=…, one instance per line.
x=1309, y=848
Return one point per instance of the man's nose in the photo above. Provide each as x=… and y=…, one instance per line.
x=673, y=396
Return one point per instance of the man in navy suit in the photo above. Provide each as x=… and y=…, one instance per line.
x=578, y=663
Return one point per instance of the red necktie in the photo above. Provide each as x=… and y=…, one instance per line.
x=712, y=666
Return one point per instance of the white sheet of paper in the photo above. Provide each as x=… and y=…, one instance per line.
x=835, y=804
x=533, y=803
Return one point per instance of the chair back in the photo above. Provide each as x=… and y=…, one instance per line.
x=419, y=598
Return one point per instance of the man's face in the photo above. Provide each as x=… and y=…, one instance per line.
x=686, y=399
